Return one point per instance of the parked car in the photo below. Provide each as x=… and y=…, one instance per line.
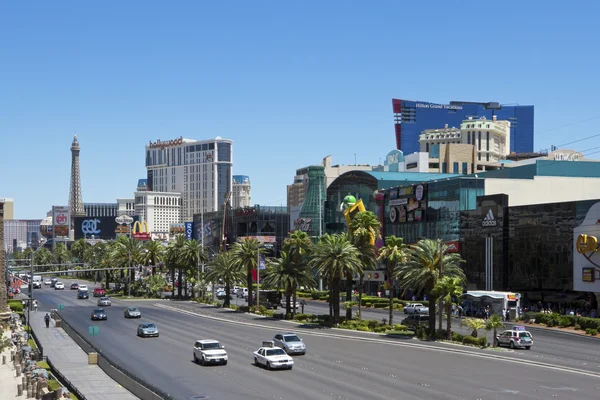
x=132, y=312
x=59, y=286
x=74, y=286
x=104, y=301
x=209, y=352
x=290, y=343
x=99, y=292
x=416, y=320
x=272, y=357
x=99, y=315
x=83, y=294
x=518, y=337
x=416, y=308
x=147, y=329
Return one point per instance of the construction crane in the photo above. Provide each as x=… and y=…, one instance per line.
x=223, y=226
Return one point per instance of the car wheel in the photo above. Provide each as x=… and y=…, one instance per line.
x=255, y=361
x=302, y=354
x=195, y=358
x=268, y=365
x=202, y=360
x=290, y=368
x=512, y=344
x=497, y=343
x=528, y=347
x=158, y=334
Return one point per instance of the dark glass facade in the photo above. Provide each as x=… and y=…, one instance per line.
x=413, y=117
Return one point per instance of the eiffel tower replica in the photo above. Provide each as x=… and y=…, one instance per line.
x=75, y=199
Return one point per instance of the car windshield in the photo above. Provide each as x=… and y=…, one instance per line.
x=132, y=309
x=275, y=352
x=148, y=326
x=291, y=338
x=524, y=334
x=208, y=346
x=98, y=311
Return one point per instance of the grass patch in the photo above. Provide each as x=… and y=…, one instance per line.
x=404, y=334
x=43, y=365
x=31, y=343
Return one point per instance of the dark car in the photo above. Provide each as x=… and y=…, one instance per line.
x=99, y=314
x=83, y=294
x=74, y=286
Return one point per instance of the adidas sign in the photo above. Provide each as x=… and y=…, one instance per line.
x=489, y=219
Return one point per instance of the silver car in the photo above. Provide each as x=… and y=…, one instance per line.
x=132, y=312
x=290, y=342
x=147, y=329
x=104, y=301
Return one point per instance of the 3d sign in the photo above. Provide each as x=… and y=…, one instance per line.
x=141, y=231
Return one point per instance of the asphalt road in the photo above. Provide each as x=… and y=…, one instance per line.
x=334, y=367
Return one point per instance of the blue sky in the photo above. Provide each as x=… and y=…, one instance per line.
x=288, y=82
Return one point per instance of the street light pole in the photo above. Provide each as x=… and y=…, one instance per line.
x=129, y=273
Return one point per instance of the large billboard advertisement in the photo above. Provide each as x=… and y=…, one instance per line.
x=61, y=221
x=407, y=204
x=586, y=260
x=95, y=227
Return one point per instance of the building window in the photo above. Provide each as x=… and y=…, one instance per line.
x=455, y=168
x=479, y=156
x=427, y=147
x=479, y=141
x=487, y=156
x=468, y=137
x=487, y=140
x=465, y=168
x=444, y=168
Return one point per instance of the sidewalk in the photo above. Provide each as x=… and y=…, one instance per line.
x=72, y=362
x=8, y=375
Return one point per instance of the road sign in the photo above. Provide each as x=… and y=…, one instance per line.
x=60, y=307
x=93, y=330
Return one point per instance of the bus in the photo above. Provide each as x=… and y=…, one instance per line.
x=474, y=301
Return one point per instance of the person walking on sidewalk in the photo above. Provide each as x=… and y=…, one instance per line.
x=47, y=320
x=35, y=306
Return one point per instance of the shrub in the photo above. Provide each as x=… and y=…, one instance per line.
x=363, y=328
x=16, y=305
x=302, y=317
x=368, y=305
x=316, y=295
x=243, y=309
x=278, y=316
x=577, y=327
x=585, y=322
x=457, y=337
x=591, y=331
x=380, y=305
x=400, y=327
x=483, y=341
x=372, y=323
x=563, y=322
x=470, y=340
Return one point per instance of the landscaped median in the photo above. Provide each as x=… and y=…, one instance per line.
x=367, y=301
x=591, y=326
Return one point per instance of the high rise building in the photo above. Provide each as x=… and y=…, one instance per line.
x=9, y=208
x=411, y=118
x=241, y=191
x=75, y=197
x=159, y=210
x=100, y=209
x=199, y=170
x=21, y=233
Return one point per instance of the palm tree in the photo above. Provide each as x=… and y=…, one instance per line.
x=127, y=253
x=447, y=289
x=393, y=254
x=299, y=245
x=174, y=262
x=335, y=257
x=61, y=254
x=153, y=254
x=225, y=266
x=284, y=273
x=191, y=255
x=78, y=249
x=364, y=230
x=493, y=323
x=423, y=269
x=43, y=257
x=475, y=324
x=246, y=254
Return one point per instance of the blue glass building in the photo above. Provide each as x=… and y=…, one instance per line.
x=413, y=117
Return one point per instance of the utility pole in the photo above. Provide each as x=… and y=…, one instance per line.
x=129, y=272
x=257, y=276
x=320, y=227
x=441, y=249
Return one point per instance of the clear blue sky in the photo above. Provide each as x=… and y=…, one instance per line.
x=288, y=82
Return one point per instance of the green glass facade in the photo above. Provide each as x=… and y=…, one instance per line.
x=312, y=210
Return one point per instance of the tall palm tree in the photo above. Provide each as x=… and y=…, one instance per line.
x=127, y=253
x=78, y=249
x=298, y=244
x=176, y=247
x=284, y=273
x=364, y=230
x=43, y=257
x=153, y=254
x=225, y=267
x=422, y=270
x=61, y=254
x=335, y=257
x=393, y=254
x=493, y=323
x=446, y=289
x=246, y=254
x=191, y=255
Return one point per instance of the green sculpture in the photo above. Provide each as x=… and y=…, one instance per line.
x=348, y=202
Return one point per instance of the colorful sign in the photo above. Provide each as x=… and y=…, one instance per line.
x=61, y=221
x=586, y=249
x=374, y=276
x=141, y=231
x=453, y=247
x=261, y=239
x=124, y=220
x=189, y=230
x=303, y=224
x=159, y=144
x=588, y=275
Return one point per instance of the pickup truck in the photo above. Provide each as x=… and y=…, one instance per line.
x=416, y=308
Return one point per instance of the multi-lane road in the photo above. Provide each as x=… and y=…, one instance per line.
x=338, y=364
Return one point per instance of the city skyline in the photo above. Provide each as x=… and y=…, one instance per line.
x=272, y=78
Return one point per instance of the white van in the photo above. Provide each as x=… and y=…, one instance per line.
x=242, y=292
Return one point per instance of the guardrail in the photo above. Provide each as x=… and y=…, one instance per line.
x=136, y=385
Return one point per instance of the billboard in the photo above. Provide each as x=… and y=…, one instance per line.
x=61, y=221
x=586, y=261
x=141, y=231
x=95, y=227
x=189, y=230
x=409, y=205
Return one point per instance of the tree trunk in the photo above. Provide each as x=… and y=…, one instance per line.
x=179, y=282
x=185, y=287
x=288, y=306
x=361, y=289
x=107, y=280
x=249, y=283
x=349, y=281
x=494, y=338
x=431, y=317
x=172, y=283
x=335, y=293
x=449, y=321
x=226, y=302
x=294, y=308
x=390, y=321
x=132, y=277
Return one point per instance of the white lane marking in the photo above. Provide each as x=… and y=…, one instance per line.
x=559, y=388
x=412, y=345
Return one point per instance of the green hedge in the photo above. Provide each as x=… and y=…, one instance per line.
x=15, y=305
x=400, y=333
x=591, y=331
x=470, y=340
x=563, y=321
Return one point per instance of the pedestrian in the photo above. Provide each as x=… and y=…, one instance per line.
x=504, y=314
x=507, y=315
x=47, y=320
x=35, y=305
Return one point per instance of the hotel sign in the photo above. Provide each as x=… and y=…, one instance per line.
x=159, y=144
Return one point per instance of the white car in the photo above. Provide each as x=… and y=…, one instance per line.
x=59, y=286
x=83, y=288
x=416, y=308
x=518, y=337
x=37, y=284
x=47, y=281
x=272, y=358
x=209, y=352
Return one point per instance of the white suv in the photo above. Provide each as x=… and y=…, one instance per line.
x=209, y=352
